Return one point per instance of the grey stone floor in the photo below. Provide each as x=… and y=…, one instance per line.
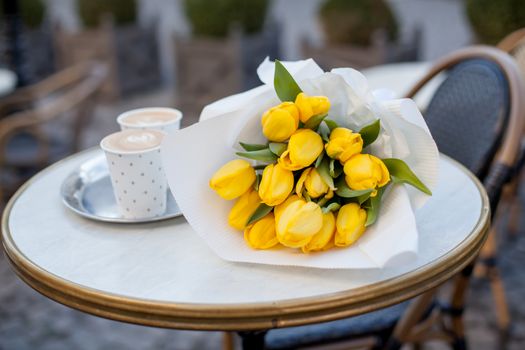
x=30, y=321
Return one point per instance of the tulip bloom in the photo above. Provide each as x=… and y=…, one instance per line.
x=323, y=239
x=243, y=209
x=280, y=122
x=276, y=184
x=343, y=144
x=310, y=106
x=261, y=235
x=350, y=224
x=303, y=149
x=314, y=184
x=233, y=179
x=279, y=209
x=297, y=222
x=364, y=171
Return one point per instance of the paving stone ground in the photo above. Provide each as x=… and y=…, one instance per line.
x=30, y=321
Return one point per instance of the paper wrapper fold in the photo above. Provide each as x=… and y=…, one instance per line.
x=192, y=155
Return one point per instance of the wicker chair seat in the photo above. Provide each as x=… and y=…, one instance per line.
x=378, y=322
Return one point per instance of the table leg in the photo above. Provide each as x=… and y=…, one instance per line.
x=252, y=340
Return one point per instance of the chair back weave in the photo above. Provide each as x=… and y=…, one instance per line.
x=467, y=112
x=477, y=115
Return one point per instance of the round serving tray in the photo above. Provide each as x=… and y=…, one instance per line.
x=88, y=192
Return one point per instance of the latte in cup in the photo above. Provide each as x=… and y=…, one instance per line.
x=136, y=172
x=132, y=140
x=164, y=119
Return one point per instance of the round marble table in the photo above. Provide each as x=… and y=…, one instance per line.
x=164, y=275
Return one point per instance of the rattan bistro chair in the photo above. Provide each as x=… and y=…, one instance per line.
x=476, y=118
x=487, y=266
x=485, y=136
x=44, y=122
x=514, y=44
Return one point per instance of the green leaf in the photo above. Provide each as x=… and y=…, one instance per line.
x=263, y=155
x=401, y=173
x=373, y=209
x=261, y=211
x=331, y=124
x=324, y=171
x=285, y=85
x=306, y=195
x=331, y=207
x=314, y=122
x=363, y=198
x=252, y=146
x=324, y=132
x=258, y=179
x=319, y=160
x=277, y=148
x=335, y=168
x=323, y=201
x=370, y=132
x=346, y=192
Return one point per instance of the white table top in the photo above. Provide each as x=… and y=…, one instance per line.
x=167, y=263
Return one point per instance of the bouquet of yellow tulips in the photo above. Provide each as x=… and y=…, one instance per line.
x=314, y=185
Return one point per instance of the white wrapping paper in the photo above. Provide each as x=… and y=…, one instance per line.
x=192, y=155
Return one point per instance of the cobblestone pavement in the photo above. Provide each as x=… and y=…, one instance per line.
x=29, y=321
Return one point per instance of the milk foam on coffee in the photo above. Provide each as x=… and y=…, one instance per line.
x=146, y=117
x=132, y=140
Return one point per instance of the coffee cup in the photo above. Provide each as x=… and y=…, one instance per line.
x=136, y=172
x=158, y=118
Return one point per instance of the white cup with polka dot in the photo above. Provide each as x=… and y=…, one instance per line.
x=136, y=172
x=158, y=118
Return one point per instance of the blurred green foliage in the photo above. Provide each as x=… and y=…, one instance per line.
x=354, y=21
x=31, y=12
x=492, y=20
x=122, y=11
x=214, y=18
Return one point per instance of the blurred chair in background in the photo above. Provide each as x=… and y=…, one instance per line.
x=230, y=38
x=514, y=44
x=45, y=122
x=459, y=133
x=476, y=117
x=207, y=70
x=111, y=34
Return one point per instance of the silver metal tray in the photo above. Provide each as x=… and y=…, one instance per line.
x=88, y=192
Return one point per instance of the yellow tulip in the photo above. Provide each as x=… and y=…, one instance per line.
x=279, y=209
x=323, y=239
x=313, y=182
x=311, y=105
x=350, y=224
x=261, y=235
x=364, y=171
x=303, y=149
x=276, y=184
x=280, y=122
x=297, y=222
x=233, y=179
x=243, y=209
x=344, y=144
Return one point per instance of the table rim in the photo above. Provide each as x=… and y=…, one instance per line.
x=244, y=316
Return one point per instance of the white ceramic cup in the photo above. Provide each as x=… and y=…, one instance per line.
x=136, y=172
x=158, y=118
